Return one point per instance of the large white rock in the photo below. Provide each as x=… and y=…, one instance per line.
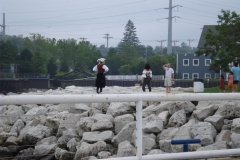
x=40, y=110
x=91, y=150
x=45, y=146
x=164, y=117
x=38, y=120
x=4, y=128
x=224, y=135
x=167, y=134
x=61, y=154
x=229, y=109
x=36, y=133
x=216, y=120
x=215, y=146
x=85, y=123
x=103, y=154
x=177, y=119
x=235, y=137
x=187, y=106
x=119, y=108
x=165, y=146
x=125, y=149
x=121, y=121
x=155, y=151
x=72, y=144
x=17, y=127
x=93, y=137
x=204, y=131
x=236, y=125
x=102, y=125
x=4, y=136
x=125, y=133
x=203, y=113
x=152, y=109
x=11, y=115
x=80, y=108
x=102, y=117
x=152, y=124
x=60, y=107
x=66, y=136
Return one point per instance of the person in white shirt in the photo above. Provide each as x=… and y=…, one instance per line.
x=101, y=70
x=146, y=77
x=169, y=77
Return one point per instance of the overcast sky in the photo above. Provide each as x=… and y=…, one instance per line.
x=92, y=19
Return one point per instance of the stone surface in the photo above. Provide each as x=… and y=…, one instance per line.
x=72, y=144
x=224, y=135
x=216, y=121
x=26, y=154
x=229, y=109
x=203, y=113
x=119, y=108
x=155, y=151
x=45, y=146
x=235, y=137
x=152, y=109
x=66, y=136
x=40, y=110
x=17, y=126
x=164, y=117
x=103, y=154
x=167, y=134
x=204, y=131
x=102, y=125
x=152, y=124
x=93, y=137
x=126, y=149
x=215, y=146
x=177, y=119
x=187, y=106
x=61, y=154
x=4, y=128
x=11, y=114
x=91, y=150
x=121, y=121
x=102, y=118
x=236, y=125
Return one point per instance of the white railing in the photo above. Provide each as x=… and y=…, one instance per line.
x=138, y=98
x=132, y=77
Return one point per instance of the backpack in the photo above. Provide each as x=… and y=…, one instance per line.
x=148, y=74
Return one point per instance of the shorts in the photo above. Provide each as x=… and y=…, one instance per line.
x=235, y=82
x=168, y=82
x=230, y=84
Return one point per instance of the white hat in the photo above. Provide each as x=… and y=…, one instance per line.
x=101, y=60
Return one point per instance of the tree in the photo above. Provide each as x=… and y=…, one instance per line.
x=64, y=66
x=223, y=46
x=52, y=67
x=8, y=52
x=38, y=62
x=125, y=69
x=25, y=61
x=130, y=35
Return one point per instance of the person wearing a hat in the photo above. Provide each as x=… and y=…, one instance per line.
x=101, y=70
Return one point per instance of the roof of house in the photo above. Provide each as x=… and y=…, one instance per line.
x=202, y=40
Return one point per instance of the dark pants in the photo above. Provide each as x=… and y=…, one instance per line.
x=146, y=81
x=100, y=81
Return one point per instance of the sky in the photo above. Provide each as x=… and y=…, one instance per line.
x=92, y=19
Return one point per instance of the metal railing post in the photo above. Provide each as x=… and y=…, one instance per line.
x=139, y=129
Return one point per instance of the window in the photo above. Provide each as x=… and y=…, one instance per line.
x=207, y=75
x=195, y=75
x=185, y=62
x=185, y=76
x=195, y=62
x=207, y=62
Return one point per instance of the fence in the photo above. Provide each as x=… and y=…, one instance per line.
x=132, y=77
x=138, y=98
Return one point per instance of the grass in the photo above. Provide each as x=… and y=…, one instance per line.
x=217, y=90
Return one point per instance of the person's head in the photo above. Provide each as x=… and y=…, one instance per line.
x=168, y=65
x=235, y=64
x=147, y=66
x=231, y=73
x=222, y=77
x=101, y=60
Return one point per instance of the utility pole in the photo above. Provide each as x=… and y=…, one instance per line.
x=189, y=43
x=83, y=39
x=4, y=27
x=175, y=42
x=169, y=48
x=146, y=55
x=107, y=37
x=161, y=41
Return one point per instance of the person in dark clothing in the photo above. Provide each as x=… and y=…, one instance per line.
x=146, y=78
x=101, y=70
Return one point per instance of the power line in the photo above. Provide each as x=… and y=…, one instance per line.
x=107, y=37
x=220, y=4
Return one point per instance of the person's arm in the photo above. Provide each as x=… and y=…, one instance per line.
x=164, y=66
x=95, y=69
x=143, y=75
x=105, y=68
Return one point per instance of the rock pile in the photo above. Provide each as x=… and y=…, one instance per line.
x=90, y=131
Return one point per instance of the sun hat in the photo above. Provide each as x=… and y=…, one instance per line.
x=101, y=60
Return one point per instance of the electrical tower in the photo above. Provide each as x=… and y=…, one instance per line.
x=107, y=37
x=83, y=39
x=4, y=27
x=175, y=42
x=161, y=41
x=169, y=48
x=189, y=41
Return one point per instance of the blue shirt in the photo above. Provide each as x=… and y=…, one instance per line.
x=236, y=72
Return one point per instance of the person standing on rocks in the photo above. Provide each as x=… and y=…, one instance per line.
x=169, y=76
x=101, y=70
x=146, y=77
x=236, y=71
x=222, y=85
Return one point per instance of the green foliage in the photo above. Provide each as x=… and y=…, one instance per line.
x=8, y=52
x=223, y=46
x=25, y=61
x=64, y=66
x=38, y=62
x=52, y=67
x=125, y=69
x=130, y=35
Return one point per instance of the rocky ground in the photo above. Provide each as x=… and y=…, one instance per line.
x=89, y=131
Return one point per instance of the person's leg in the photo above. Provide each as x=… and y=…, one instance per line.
x=165, y=84
x=97, y=89
x=101, y=89
x=149, y=85
x=236, y=89
x=143, y=85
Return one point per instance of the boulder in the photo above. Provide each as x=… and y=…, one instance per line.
x=204, y=131
x=165, y=146
x=80, y=108
x=152, y=124
x=60, y=107
x=72, y=144
x=93, y=137
x=126, y=149
x=17, y=126
x=102, y=118
x=119, y=108
x=184, y=131
x=11, y=141
x=203, y=113
x=177, y=119
x=155, y=151
x=235, y=137
x=216, y=121
x=215, y=146
x=125, y=133
x=53, y=122
x=121, y=121
x=229, y=110
x=38, y=120
x=152, y=109
x=11, y=115
x=26, y=154
x=61, y=154
x=102, y=125
x=91, y=150
x=4, y=136
x=103, y=154
x=187, y=106
x=40, y=110
x=4, y=128
x=164, y=117
x=37, y=133
x=224, y=135
x=85, y=124
x=236, y=125
x=167, y=134
x=45, y=146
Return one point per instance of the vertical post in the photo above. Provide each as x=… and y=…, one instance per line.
x=4, y=27
x=139, y=129
x=169, y=49
x=185, y=148
x=146, y=55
